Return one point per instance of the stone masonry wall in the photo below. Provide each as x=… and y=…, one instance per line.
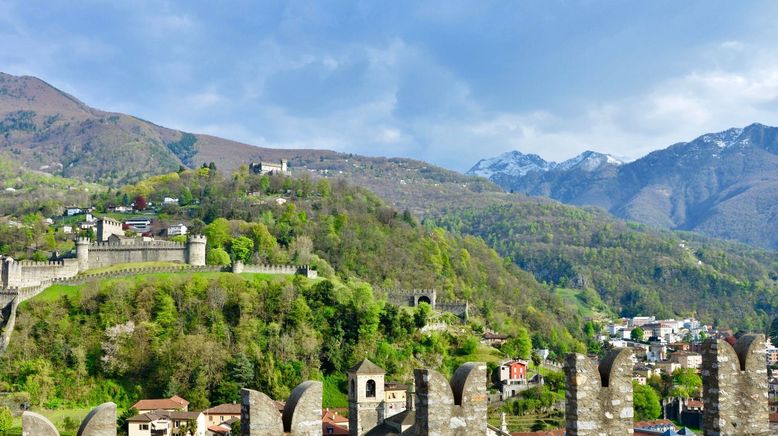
x=456, y=409
x=598, y=400
x=259, y=415
x=735, y=387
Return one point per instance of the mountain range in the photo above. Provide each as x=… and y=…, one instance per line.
x=720, y=184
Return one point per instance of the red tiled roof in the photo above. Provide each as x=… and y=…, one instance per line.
x=218, y=429
x=328, y=416
x=223, y=409
x=173, y=403
x=697, y=404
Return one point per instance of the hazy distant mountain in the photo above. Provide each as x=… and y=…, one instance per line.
x=48, y=130
x=721, y=184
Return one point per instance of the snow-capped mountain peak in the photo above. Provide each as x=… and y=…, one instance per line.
x=512, y=162
x=589, y=161
x=723, y=139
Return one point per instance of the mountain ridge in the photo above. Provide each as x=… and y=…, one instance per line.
x=720, y=184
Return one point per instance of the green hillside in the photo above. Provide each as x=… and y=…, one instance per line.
x=203, y=335
x=635, y=269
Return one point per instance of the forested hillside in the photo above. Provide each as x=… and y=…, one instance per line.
x=636, y=270
x=202, y=336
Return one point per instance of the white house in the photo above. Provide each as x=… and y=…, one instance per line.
x=164, y=423
x=169, y=200
x=176, y=230
x=70, y=211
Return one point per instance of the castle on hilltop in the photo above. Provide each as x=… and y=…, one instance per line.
x=111, y=248
x=262, y=167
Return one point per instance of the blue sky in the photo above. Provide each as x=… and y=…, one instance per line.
x=448, y=82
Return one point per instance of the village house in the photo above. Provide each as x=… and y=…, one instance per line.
x=174, y=403
x=164, y=423
x=139, y=225
x=221, y=413
x=493, y=339
x=169, y=200
x=511, y=378
x=333, y=423
x=176, y=230
x=120, y=209
x=772, y=355
x=687, y=359
x=395, y=398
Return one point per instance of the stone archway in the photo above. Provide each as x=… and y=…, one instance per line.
x=424, y=299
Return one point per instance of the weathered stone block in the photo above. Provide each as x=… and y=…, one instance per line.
x=101, y=421
x=37, y=425
x=598, y=399
x=458, y=408
x=735, y=387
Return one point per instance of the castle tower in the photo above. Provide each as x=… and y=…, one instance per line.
x=284, y=166
x=82, y=253
x=196, y=250
x=365, y=397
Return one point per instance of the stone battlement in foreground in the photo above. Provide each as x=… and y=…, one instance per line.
x=598, y=400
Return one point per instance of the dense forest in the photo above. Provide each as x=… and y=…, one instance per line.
x=636, y=270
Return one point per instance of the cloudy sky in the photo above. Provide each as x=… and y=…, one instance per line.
x=449, y=82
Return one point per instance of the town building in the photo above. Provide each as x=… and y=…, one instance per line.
x=511, y=378
x=687, y=359
x=164, y=423
x=174, y=403
x=221, y=413
x=177, y=230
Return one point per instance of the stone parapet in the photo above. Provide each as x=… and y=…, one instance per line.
x=598, y=399
x=735, y=387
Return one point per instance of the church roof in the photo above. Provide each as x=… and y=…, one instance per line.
x=367, y=367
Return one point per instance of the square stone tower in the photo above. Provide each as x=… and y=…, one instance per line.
x=365, y=397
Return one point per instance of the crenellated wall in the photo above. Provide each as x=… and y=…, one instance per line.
x=598, y=399
x=101, y=421
x=259, y=415
x=735, y=387
x=303, y=270
x=456, y=409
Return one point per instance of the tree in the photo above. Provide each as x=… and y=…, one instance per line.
x=242, y=248
x=519, y=346
x=637, y=334
x=422, y=314
x=218, y=232
x=264, y=242
x=217, y=256
x=645, y=402
x=686, y=383
x=140, y=203
x=6, y=419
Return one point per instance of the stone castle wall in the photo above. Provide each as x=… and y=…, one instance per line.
x=598, y=399
x=735, y=387
x=103, y=254
x=457, y=408
x=303, y=270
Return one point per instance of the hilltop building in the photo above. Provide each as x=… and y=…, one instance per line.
x=262, y=167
